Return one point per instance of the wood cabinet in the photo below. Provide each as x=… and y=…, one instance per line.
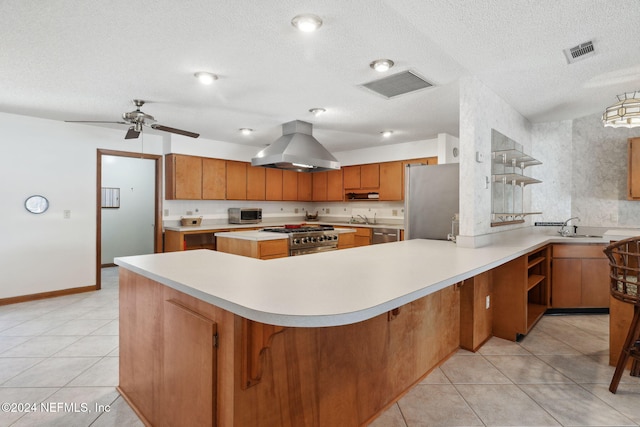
x=475, y=311
x=361, y=177
x=183, y=177
x=391, y=181
x=236, y=180
x=289, y=185
x=327, y=186
x=521, y=293
x=362, y=236
x=256, y=183
x=214, y=179
x=580, y=276
x=304, y=186
x=189, y=367
x=186, y=240
x=633, y=171
x=264, y=249
x=273, y=184
x=346, y=240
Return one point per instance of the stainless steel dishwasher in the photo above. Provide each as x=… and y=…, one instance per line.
x=385, y=235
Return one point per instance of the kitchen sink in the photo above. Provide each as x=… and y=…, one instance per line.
x=577, y=236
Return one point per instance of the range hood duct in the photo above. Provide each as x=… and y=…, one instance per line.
x=296, y=150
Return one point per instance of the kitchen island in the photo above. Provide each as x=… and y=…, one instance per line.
x=209, y=338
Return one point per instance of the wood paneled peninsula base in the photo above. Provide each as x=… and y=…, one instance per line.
x=187, y=362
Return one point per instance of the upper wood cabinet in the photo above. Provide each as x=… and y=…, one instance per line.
x=214, y=179
x=236, y=180
x=304, y=186
x=360, y=177
x=256, y=183
x=319, y=187
x=327, y=186
x=633, y=178
x=391, y=181
x=273, y=184
x=183, y=177
x=335, y=192
x=289, y=185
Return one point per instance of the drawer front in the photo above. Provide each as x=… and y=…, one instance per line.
x=578, y=251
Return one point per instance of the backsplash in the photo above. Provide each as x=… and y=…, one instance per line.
x=216, y=211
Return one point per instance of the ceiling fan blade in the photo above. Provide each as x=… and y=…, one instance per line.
x=174, y=130
x=94, y=121
x=132, y=133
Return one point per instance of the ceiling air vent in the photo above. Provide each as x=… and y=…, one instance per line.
x=579, y=52
x=398, y=84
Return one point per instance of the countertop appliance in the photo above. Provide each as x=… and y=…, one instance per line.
x=431, y=202
x=245, y=215
x=309, y=239
x=384, y=235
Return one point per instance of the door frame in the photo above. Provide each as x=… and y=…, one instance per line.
x=157, y=234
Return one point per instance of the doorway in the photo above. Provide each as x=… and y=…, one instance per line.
x=114, y=197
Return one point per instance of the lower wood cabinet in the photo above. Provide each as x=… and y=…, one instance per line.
x=580, y=276
x=362, y=236
x=189, y=367
x=521, y=293
x=475, y=311
x=346, y=240
x=264, y=249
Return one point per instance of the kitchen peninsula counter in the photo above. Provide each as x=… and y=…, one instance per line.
x=332, y=288
x=334, y=338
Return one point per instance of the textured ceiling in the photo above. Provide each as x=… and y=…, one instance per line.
x=87, y=60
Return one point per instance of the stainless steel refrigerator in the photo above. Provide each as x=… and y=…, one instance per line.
x=431, y=200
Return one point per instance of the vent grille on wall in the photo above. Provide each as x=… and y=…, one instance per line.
x=398, y=84
x=579, y=52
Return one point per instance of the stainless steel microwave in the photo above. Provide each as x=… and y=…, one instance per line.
x=245, y=215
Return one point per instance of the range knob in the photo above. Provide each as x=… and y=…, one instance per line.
x=296, y=241
x=312, y=239
x=335, y=237
x=320, y=239
x=304, y=240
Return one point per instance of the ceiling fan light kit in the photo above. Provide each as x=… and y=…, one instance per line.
x=625, y=113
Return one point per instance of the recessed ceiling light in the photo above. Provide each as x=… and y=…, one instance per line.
x=205, y=78
x=381, y=65
x=307, y=22
x=246, y=131
x=386, y=133
x=317, y=111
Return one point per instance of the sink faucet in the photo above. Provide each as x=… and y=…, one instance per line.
x=565, y=231
x=364, y=218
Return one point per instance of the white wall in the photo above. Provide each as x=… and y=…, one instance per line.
x=129, y=229
x=481, y=110
x=41, y=253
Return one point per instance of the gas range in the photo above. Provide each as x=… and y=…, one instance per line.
x=308, y=239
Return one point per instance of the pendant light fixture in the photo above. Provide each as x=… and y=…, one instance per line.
x=625, y=113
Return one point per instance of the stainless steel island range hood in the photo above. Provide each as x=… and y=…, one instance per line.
x=296, y=150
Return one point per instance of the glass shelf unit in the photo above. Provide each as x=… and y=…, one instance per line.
x=508, y=164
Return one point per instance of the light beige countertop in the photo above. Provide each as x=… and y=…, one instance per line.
x=336, y=287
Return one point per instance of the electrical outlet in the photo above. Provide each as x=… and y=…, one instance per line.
x=488, y=302
x=394, y=212
x=166, y=212
x=295, y=210
x=328, y=210
x=189, y=212
x=67, y=214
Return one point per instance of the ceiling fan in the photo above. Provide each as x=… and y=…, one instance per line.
x=136, y=119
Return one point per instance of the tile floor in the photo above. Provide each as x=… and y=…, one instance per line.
x=558, y=375
x=63, y=352
x=59, y=361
